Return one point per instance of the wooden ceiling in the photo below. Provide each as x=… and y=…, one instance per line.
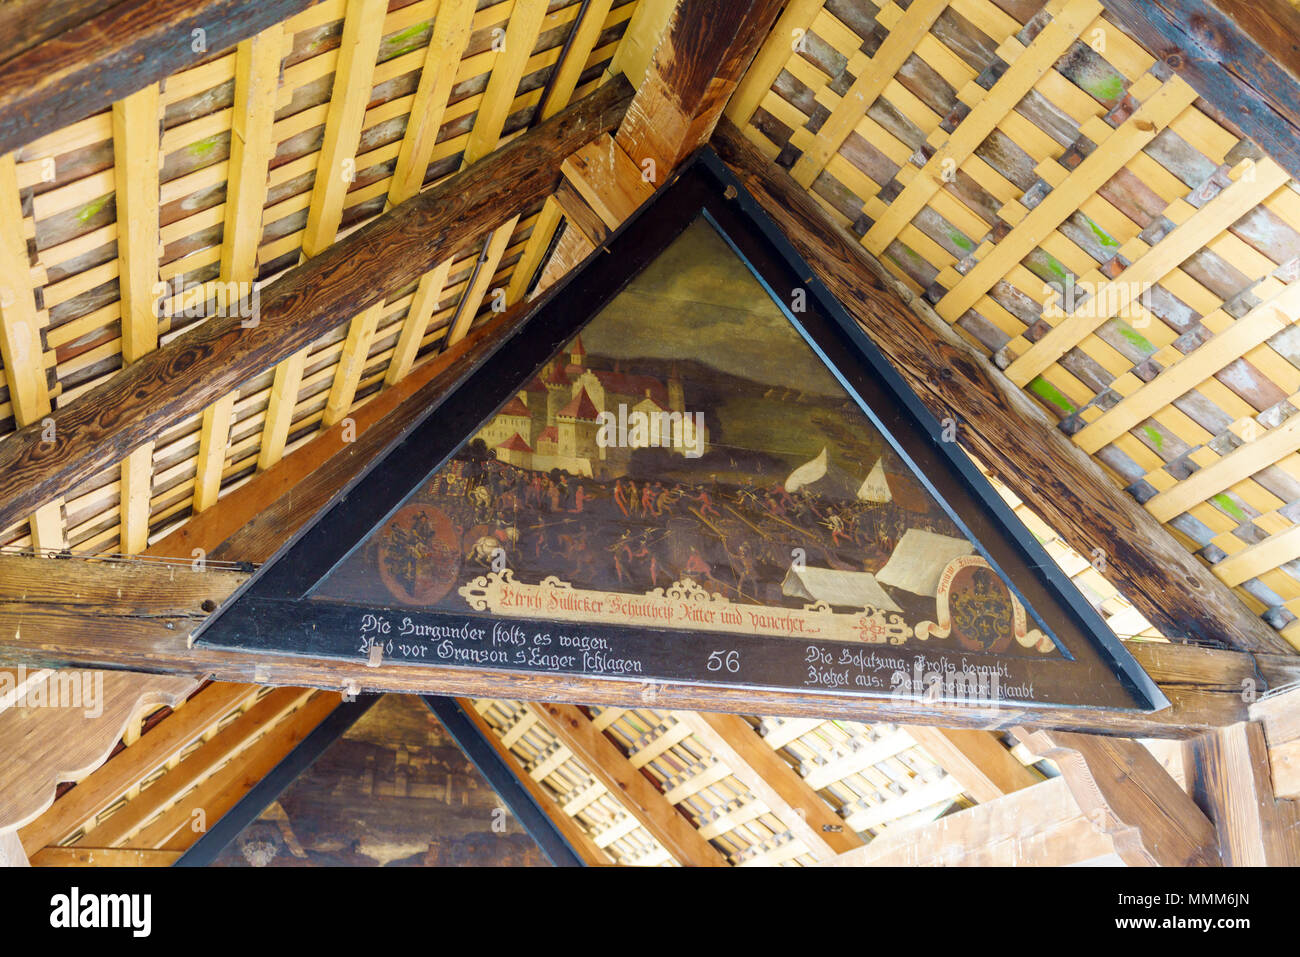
x=978, y=149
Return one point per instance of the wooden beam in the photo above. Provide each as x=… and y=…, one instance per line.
x=507, y=70
x=77, y=856
x=352, y=360
x=539, y=242
x=573, y=832
x=1042, y=826
x=773, y=781
x=99, y=789
x=1240, y=55
x=477, y=289
x=1123, y=789
x=635, y=791
x=977, y=759
x=1229, y=778
x=206, y=362
x=11, y=850
x=136, y=616
x=116, y=51
x=608, y=180
x=697, y=63
x=573, y=58
x=1007, y=432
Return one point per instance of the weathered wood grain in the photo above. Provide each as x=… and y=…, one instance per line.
x=1240, y=55
x=1003, y=427
x=97, y=53
x=198, y=367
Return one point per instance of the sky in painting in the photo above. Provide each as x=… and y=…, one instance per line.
x=699, y=301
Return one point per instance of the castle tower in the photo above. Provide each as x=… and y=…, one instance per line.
x=676, y=394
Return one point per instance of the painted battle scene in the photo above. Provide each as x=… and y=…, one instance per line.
x=689, y=433
x=394, y=791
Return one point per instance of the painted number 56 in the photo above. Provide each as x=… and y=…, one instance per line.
x=724, y=659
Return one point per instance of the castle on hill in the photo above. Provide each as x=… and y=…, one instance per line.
x=556, y=420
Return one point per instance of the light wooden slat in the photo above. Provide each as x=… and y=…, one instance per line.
x=94, y=793
x=213, y=439
x=428, y=292
x=451, y=32
x=1021, y=76
x=539, y=241
x=279, y=410
x=635, y=792
x=873, y=75
x=581, y=43
x=1240, y=463
x=977, y=759
x=1105, y=161
x=257, y=77
x=478, y=289
x=776, y=52
x=1256, y=559
x=135, y=163
x=137, y=488
x=353, y=78
x=507, y=70
x=356, y=348
x=1158, y=262
x=1259, y=325
x=773, y=781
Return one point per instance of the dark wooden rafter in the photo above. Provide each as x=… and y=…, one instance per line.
x=207, y=362
x=1002, y=426
x=93, y=53
x=1241, y=56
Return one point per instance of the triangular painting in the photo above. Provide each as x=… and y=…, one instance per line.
x=711, y=480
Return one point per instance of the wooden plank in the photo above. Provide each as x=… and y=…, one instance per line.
x=352, y=360
x=1117, y=296
x=1225, y=472
x=135, y=163
x=137, y=616
x=574, y=57
x=775, y=53
x=1228, y=773
x=1008, y=433
x=353, y=79
x=124, y=824
x=986, y=769
x=507, y=70
x=573, y=832
x=279, y=409
x=103, y=857
x=98, y=790
x=451, y=32
x=1240, y=56
x=608, y=180
x=1253, y=329
x=485, y=270
x=136, y=497
x=1021, y=76
x=44, y=746
x=428, y=292
x=1041, y=826
x=177, y=829
x=206, y=362
x=11, y=850
x=257, y=78
x=697, y=63
x=1105, y=161
x=116, y=51
x=214, y=437
x=635, y=791
x=772, y=780
x=539, y=241
x=873, y=74
x=1121, y=786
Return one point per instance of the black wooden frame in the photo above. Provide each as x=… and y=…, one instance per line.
x=275, y=611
